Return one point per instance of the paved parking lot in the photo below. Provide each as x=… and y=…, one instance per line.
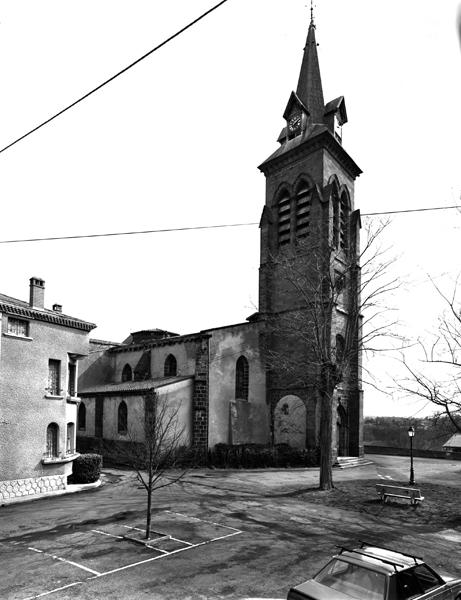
x=221, y=535
x=66, y=560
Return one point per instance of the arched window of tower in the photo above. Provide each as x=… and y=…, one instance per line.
x=284, y=219
x=344, y=222
x=303, y=206
x=335, y=201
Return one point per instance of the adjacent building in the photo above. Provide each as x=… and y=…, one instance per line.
x=40, y=350
x=250, y=382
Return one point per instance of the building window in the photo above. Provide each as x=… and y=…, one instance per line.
x=70, y=438
x=303, y=206
x=241, y=378
x=18, y=327
x=72, y=379
x=81, y=417
x=54, y=373
x=344, y=223
x=122, y=421
x=52, y=440
x=283, y=220
x=127, y=373
x=171, y=366
x=335, y=219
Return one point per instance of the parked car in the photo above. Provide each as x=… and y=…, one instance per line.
x=376, y=573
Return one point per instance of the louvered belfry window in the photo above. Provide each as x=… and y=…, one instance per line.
x=303, y=207
x=335, y=200
x=344, y=222
x=284, y=217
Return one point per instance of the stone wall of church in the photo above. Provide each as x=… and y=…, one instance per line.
x=177, y=395
x=234, y=420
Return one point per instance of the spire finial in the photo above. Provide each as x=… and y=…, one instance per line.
x=312, y=12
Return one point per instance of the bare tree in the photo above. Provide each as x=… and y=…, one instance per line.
x=438, y=380
x=154, y=457
x=321, y=277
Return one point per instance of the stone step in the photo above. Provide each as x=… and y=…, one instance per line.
x=348, y=462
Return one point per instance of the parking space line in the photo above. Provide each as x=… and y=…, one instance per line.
x=181, y=541
x=147, y=560
x=69, y=562
x=120, y=537
x=53, y=591
x=221, y=537
x=135, y=528
x=201, y=520
x=157, y=549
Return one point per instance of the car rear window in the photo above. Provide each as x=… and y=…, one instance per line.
x=354, y=580
x=416, y=581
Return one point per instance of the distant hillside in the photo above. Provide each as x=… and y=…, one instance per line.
x=430, y=433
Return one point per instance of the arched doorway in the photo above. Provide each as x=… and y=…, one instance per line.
x=342, y=437
x=290, y=422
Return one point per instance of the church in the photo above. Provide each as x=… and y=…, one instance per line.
x=262, y=380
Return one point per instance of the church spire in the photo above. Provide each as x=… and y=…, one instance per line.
x=309, y=89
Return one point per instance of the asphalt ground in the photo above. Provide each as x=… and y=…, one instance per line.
x=220, y=534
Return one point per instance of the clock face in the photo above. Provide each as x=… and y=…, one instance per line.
x=295, y=122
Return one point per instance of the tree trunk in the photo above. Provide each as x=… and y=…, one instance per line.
x=326, y=423
x=148, y=515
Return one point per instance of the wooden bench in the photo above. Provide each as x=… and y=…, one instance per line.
x=393, y=491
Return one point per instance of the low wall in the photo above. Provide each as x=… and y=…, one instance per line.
x=18, y=488
x=416, y=452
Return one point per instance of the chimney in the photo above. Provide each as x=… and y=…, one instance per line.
x=57, y=308
x=37, y=292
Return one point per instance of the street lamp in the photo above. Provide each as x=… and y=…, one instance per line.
x=411, y=435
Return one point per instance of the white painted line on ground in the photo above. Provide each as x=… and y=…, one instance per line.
x=181, y=541
x=135, y=528
x=69, y=562
x=202, y=520
x=164, y=537
x=55, y=590
x=157, y=549
x=148, y=560
x=120, y=537
x=221, y=537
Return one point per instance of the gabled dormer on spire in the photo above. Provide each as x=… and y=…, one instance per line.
x=296, y=115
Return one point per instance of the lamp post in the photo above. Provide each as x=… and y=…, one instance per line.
x=411, y=435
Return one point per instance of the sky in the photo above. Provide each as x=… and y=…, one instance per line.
x=175, y=142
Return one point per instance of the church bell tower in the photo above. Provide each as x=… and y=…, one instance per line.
x=309, y=211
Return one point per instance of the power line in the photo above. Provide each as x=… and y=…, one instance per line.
x=409, y=210
x=172, y=37
x=97, y=235
x=195, y=228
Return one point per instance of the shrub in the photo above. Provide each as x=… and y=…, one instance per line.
x=254, y=456
x=86, y=468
